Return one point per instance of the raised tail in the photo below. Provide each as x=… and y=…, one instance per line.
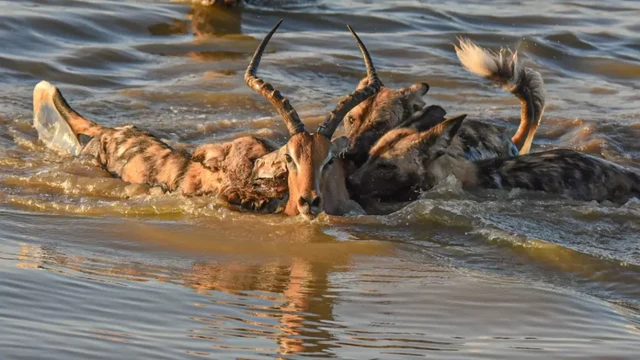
x=504, y=69
x=58, y=125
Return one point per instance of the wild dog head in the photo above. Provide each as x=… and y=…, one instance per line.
x=367, y=122
x=309, y=156
x=404, y=162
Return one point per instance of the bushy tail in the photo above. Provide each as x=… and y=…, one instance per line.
x=47, y=96
x=504, y=69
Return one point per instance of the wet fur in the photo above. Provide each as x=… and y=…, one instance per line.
x=374, y=117
x=389, y=109
x=562, y=171
x=137, y=156
x=223, y=169
x=406, y=161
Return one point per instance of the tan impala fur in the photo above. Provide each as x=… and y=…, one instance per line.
x=316, y=177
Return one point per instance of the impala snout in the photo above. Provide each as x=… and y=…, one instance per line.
x=310, y=206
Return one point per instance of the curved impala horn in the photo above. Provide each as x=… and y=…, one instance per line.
x=331, y=122
x=288, y=113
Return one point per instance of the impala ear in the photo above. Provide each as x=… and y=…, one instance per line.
x=412, y=97
x=363, y=83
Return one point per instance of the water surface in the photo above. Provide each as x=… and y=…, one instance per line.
x=92, y=268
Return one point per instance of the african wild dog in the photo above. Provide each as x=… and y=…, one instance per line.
x=247, y=171
x=406, y=161
x=369, y=121
x=138, y=157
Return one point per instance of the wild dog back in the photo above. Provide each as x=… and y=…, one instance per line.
x=138, y=157
x=562, y=171
x=405, y=162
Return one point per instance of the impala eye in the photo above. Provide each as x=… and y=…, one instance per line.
x=330, y=161
x=350, y=119
x=288, y=158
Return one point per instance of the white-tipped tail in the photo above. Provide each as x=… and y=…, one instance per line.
x=504, y=69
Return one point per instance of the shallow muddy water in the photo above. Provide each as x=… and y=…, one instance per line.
x=89, y=268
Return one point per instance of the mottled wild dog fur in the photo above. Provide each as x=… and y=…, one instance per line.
x=397, y=166
x=504, y=69
x=405, y=162
x=369, y=121
x=136, y=156
x=316, y=178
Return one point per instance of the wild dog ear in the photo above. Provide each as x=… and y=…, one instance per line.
x=270, y=166
x=426, y=118
x=439, y=137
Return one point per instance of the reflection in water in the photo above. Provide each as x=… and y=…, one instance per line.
x=303, y=301
x=211, y=20
x=295, y=289
x=203, y=21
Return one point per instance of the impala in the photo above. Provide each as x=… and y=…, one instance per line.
x=311, y=159
x=248, y=171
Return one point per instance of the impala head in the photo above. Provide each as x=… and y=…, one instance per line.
x=367, y=122
x=308, y=157
x=400, y=164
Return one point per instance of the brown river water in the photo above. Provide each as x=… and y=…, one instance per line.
x=90, y=269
